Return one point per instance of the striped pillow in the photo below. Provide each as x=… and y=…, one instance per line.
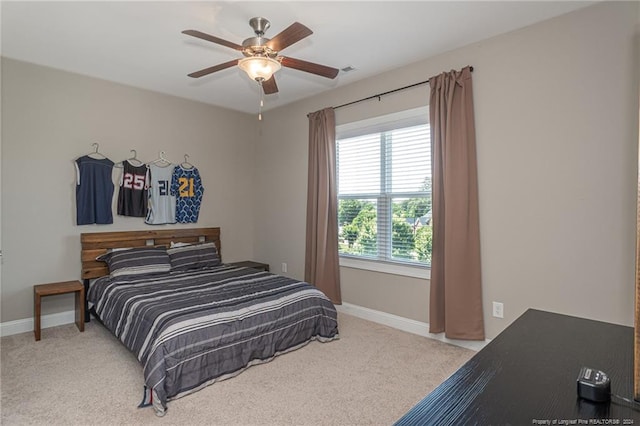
x=137, y=261
x=193, y=256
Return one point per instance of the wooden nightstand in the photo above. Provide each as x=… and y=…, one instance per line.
x=252, y=264
x=58, y=288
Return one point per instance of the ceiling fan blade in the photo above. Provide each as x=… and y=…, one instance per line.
x=292, y=34
x=203, y=36
x=310, y=67
x=270, y=87
x=213, y=69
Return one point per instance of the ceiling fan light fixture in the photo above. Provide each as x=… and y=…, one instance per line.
x=259, y=67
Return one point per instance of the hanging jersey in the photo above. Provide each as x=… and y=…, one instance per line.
x=187, y=187
x=162, y=205
x=94, y=191
x=132, y=196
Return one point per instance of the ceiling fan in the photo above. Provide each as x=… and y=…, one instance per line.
x=262, y=59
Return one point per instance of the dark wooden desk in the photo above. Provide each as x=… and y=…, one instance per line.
x=527, y=376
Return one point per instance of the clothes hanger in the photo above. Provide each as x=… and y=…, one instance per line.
x=95, y=153
x=160, y=160
x=186, y=164
x=134, y=161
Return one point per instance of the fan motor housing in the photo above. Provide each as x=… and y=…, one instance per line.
x=256, y=46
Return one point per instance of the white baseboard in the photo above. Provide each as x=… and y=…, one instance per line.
x=405, y=324
x=24, y=325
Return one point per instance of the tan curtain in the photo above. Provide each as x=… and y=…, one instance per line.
x=322, y=267
x=456, y=284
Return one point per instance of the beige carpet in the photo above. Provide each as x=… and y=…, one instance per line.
x=372, y=375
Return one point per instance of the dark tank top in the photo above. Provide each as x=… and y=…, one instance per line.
x=132, y=196
x=94, y=191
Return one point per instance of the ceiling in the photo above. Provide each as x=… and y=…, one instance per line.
x=140, y=43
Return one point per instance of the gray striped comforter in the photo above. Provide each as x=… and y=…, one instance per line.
x=189, y=329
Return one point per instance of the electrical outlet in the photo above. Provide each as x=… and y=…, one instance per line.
x=284, y=267
x=498, y=310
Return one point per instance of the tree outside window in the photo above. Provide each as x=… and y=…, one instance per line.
x=384, y=195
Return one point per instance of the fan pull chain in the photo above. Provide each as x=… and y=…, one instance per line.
x=261, y=101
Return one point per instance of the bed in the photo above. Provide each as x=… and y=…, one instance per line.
x=190, y=319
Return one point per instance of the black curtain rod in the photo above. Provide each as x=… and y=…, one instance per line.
x=379, y=95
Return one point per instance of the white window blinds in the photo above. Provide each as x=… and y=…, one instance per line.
x=384, y=189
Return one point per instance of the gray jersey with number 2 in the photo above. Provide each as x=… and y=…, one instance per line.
x=162, y=205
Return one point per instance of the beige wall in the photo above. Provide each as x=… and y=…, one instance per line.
x=556, y=125
x=557, y=147
x=51, y=117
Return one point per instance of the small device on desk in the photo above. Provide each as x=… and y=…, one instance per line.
x=594, y=385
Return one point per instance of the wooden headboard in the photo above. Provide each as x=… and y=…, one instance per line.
x=96, y=243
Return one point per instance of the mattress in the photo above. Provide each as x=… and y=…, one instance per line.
x=190, y=329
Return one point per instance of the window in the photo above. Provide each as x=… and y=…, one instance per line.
x=384, y=189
